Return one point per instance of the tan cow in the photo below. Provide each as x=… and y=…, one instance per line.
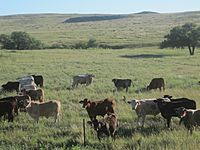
x=144, y=107
x=44, y=109
x=36, y=95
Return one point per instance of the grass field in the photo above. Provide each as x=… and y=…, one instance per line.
x=180, y=71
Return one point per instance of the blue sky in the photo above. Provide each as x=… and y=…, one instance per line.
x=8, y=7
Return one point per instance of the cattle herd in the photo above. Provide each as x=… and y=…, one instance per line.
x=31, y=100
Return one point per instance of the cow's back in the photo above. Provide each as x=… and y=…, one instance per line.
x=49, y=108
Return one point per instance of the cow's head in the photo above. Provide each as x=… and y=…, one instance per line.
x=134, y=104
x=85, y=102
x=114, y=80
x=181, y=112
x=167, y=96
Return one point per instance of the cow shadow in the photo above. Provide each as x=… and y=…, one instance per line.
x=145, y=56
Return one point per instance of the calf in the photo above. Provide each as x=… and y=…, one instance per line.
x=156, y=83
x=108, y=126
x=168, y=107
x=101, y=107
x=190, y=118
x=11, y=86
x=144, y=107
x=122, y=84
x=35, y=95
x=45, y=109
x=82, y=79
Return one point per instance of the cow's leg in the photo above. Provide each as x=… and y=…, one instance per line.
x=168, y=122
x=143, y=119
x=126, y=89
x=138, y=121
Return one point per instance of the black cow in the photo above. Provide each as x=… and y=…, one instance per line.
x=168, y=107
x=38, y=80
x=156, y=83
x=11, y=86
x=7, y=107
x=122, y=84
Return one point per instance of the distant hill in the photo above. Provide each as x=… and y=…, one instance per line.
x=93, y=18
x=147, y=12
x=112, y=31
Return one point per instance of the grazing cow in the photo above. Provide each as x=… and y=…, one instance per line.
x=44, y=109
x=27, y=83
x=22, y=101
x=122, y=84
x=156, y=83
x=35, y=95
x=7, y=107
x=38, y=80
x=11, y=86
x=82, y=79
x=168, y=107
x=108, y=126
x=12, y=100
x=190, y=118
x=144, y=107
x=101, y=107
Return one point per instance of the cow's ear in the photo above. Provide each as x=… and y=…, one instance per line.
x=155, y=101
x=129, y=102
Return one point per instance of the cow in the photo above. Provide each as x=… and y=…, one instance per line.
x=39, y=80
x=47, y=109
x=96, y=108
x=22, y=101
x=122, y=84
x=156, y=83
x=108, y=126
x=144, y=107
x=7, y=107
x=82, y=79
x=11, y=86
x=190, y=117
x=35, y=95
x=168, y=107
x=27, y=83
x=12, y=100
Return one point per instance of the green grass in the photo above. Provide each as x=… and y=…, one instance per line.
x=180, y=71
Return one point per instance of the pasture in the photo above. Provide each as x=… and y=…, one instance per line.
x=180, y=71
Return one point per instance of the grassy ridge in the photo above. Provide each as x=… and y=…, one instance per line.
x=135, y=30
x=180, y=71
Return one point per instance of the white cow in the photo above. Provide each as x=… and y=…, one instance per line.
x=144, y=107
x=27, y=83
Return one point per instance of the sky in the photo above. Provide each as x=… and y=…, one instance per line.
x=10, y=7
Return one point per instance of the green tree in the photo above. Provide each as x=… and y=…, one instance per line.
x=187, y=35
x=19, y=41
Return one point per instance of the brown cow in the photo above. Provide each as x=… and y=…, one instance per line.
x=156, y=83
x=35, y=94
x=7, y=107
x=108, y=126
x=101, y=107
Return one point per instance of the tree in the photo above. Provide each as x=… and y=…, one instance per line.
x=187, y=35
x=19, y=41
